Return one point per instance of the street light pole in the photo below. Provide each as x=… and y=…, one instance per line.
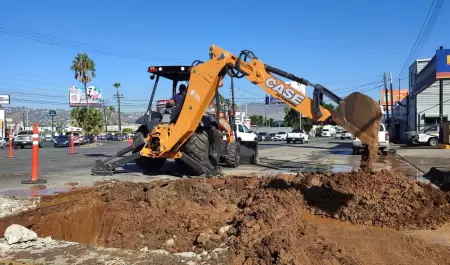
x=27, y=116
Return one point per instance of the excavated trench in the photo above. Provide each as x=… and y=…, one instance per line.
x=288, y=219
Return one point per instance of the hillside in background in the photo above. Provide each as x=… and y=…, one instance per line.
x=276, y=112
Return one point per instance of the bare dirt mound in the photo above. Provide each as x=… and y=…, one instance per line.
x=170, y=215
x=263, y=221
x=272, y=227
x=383, y=199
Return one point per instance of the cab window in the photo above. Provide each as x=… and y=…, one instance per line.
x=431, y=128
x=240, y=128
x=246, y=130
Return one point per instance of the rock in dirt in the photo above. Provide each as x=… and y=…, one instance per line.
x=188, y=255
x=16, y=234
x=202, y=238
x=224, y=229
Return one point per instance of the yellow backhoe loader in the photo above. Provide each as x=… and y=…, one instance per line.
x=191, y=136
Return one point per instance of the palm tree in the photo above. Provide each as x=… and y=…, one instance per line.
x=111, y=111
x=84, y=69
x=117, y=85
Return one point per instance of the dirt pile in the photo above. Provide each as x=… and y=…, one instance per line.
x=265, y=221
x=383, y=199
x=170, y=215
x=273, y=228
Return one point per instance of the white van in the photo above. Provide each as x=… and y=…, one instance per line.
x=244, y=133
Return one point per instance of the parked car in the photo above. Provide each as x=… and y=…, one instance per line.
x=280, y=136
x=346, y=135
x=338, y=134
x=263, y=136
x=272, y=136
x=297, y=135
x=428, y=135
x=2, y=143
x=383, y=142
x=78, y=139
x=25, y=138
x=61, y=141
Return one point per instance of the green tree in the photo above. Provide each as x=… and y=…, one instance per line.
x=84, y=69
x=292, y=119
x=109, y=112
x=90, y=119
x=328, y=106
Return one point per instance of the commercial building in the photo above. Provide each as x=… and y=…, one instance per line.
x=421, y=107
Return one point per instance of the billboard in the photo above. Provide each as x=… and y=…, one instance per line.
x=443, y=64
x=5, y=99
x=437, y=68
x=77, y=96
x=398, y=95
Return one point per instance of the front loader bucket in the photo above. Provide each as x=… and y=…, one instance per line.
x=360, y=115
x=249, y=152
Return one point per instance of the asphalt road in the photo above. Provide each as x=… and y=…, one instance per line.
x=61, y=160
x=319, y=142
x=56, y=159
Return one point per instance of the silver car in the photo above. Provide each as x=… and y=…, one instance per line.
x=2, y=143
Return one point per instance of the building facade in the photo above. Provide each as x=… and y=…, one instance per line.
x=421, y=107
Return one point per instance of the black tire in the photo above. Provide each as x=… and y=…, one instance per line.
x=40, y=145
x=415, y=140
x=433, y=142
x=355, y=151
x=204, y=147
x=301, y=141
x=16, y=146
x=147, y=164
x=233, y=156
x=288, y=141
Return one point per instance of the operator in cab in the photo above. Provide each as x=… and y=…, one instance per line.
x=176, y=100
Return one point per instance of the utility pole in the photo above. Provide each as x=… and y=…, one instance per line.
x=392, y=104
x=104, y=115
x=441, y=106
x=300, y=121
x=118, y=97
x=386, y=96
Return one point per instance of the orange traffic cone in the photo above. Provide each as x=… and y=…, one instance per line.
x=10, y=148
x=35, y=160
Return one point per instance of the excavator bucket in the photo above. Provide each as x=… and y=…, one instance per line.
x=249, y=152
x=360, y=115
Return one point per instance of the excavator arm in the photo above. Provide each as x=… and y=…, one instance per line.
x=358, y=113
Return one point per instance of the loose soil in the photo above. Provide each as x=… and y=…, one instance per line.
x=288, y=219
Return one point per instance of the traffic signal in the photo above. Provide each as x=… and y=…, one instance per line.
x=267, y=100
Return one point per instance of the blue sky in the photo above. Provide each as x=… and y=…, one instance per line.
x=326, y=42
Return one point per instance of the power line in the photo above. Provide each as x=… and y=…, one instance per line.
x=65, y=43
x=430, y=25
x=417, y=40
x=355, y=80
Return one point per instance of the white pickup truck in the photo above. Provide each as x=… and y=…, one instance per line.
x=383, y=142
x=297, y=135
